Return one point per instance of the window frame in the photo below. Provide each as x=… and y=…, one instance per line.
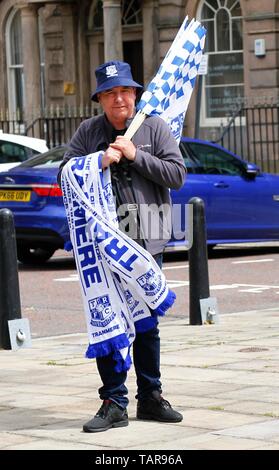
x=134, y=19
x=206, y=121
x=11, y=79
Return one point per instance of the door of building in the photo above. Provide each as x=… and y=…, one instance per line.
x=132, y=53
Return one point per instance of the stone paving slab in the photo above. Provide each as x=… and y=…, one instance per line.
x=223, y=378
x=13, y=439
x=217, y=419
x=145, y=434
x=266, y=430
x=254, y=407
x=267, y=394
x=208, y=441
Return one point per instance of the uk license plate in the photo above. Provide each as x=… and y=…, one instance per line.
x=15, y=196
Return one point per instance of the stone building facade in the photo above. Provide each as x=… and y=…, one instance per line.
x=49, y=50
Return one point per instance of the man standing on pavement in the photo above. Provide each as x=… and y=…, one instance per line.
x=142, y=171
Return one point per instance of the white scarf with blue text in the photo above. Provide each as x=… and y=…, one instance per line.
x=123, y=289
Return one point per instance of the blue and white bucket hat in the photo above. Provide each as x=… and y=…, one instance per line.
x=111, y=74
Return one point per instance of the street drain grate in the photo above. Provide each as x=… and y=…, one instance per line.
x=253, y=349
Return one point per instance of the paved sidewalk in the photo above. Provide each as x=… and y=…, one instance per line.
x=223, y=378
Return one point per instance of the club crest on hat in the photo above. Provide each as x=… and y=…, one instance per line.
x=111, y=71
x=113, y=74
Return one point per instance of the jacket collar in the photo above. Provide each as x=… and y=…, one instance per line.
x=109, y=129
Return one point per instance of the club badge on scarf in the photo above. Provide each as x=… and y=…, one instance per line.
x=123, y=289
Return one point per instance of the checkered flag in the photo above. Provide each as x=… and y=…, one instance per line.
x=169, y=93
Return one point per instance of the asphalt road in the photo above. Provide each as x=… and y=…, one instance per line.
x=241, y=279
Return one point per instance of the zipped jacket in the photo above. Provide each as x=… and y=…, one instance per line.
x=158, y=167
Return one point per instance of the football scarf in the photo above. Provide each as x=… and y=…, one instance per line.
x=122, y=287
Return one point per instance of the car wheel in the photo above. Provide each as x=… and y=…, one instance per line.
x=29, y=255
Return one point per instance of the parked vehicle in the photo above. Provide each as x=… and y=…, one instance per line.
x=241, y=202
x=15, y=149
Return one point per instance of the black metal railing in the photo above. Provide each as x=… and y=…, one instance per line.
x=56, y=125
x=253, y=133
x=11, y=123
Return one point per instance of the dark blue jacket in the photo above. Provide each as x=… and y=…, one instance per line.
x=157, y=167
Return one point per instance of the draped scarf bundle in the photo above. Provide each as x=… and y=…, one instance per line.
x=123, y=289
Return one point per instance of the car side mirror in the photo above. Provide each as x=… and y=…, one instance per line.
x=251, y=170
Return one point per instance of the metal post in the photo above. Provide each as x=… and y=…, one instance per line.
x=198, y=262
x=10, y=308
x=198, y=107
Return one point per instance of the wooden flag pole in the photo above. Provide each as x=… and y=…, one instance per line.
x=135, y=124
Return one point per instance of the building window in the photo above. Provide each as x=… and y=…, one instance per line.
x=15, y=64
x=131, y=12
x=224, y=83
x=14, y=52
x=98, y=16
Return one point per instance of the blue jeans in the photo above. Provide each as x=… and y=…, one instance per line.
x=146, y=357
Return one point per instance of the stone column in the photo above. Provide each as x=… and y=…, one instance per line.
x=112, y=30
x=54, y=54
x=60, y=39
x=150, y=40
x=70, y=55
x=261, y=73
x=31, y=61
x=262, y=78
x=83, y=57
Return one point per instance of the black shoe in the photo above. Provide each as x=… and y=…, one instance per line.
x=157, y=409
x=110, y=415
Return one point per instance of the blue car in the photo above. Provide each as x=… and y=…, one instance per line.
x=241, y=202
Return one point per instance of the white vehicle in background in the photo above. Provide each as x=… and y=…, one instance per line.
x=15, y=149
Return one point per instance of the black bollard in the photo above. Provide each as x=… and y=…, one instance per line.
x=198, y=262
x=10, y=308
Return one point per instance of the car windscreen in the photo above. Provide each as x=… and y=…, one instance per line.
x=190, y=160
x=51, y=159
x=12, y=152
x=214, y=160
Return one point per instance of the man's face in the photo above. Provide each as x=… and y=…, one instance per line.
x=118, y=104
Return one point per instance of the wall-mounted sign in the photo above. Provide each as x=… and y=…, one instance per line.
x=203, y=68
x=69, y=88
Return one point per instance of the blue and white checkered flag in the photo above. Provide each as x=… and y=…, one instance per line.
x=169, y=93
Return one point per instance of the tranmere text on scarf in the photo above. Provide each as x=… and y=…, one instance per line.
x=123, y=289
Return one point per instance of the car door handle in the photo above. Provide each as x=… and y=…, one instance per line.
x=221, y=184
